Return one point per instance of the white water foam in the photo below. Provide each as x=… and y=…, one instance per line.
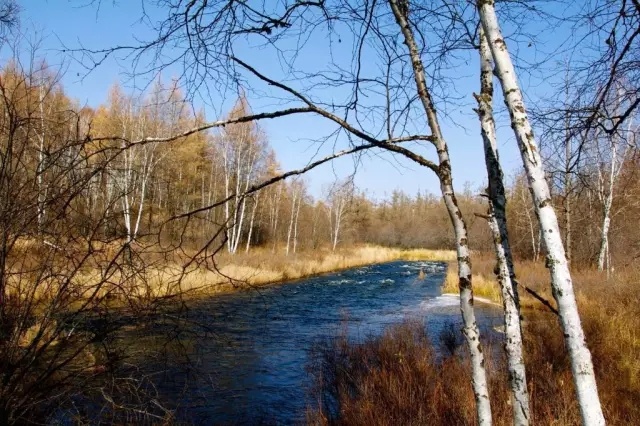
x=342, y=281
x=444, y=300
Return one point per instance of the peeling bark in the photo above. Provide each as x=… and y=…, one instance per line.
x=497, y=219
x=470, y=328
x=562, y=286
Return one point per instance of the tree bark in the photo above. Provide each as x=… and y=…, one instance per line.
x=294, y=194
x=252, y=220
x=562, y=286
x=295, y=225
x=498, y=224
x=470, y=329
x=568, y=182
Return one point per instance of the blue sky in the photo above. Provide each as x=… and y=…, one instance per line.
x=74, y=23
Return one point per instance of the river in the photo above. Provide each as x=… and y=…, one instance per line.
x=247, y=351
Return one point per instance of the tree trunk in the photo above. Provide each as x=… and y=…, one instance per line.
x=126, y=205
x=228, y=231
x=295, y=225
x=561, y=282
x=498, y=224
x=470, y=329
x=293, y=208
x=252, y=221
x=568, y=183
x=276, y=210
x=42, y=196
x=604, y=238
x=606, y=191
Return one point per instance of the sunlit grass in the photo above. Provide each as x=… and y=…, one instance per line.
x=484, y=286
x=389, y=377
x=262, y=266
x=610, y=317
x=159, y=278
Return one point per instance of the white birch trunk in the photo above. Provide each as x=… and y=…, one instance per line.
x=568, y=181
x=146, y=171
x=470, y=329
x=617, y=150
x=335, y=210
x=238, y=225
x=227, y=192
x=295, y=226
x=126, y=177
x=582, y=366
x=498, y=224
x=336, y=231
x=604, y=238
x=291, y=218
x=252, y=221
x=276, y=210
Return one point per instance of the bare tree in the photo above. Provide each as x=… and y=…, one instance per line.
x=582, y=366
x=297, y=196
x=53, y=289
x=243, y=153
x=9, y=17
x=339, y=196
x=497, y=218
x=610, y=152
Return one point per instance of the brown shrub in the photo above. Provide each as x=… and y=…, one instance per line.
x=403, y=378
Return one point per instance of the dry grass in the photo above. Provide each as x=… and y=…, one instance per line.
x=400, y=379
x=231, y=272
x=262, y=266
x=395, y=379
x=484, y=283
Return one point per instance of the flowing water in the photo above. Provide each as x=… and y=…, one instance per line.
x=248, y=351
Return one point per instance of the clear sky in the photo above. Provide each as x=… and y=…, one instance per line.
x=73, y=23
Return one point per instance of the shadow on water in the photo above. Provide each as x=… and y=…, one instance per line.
x=240, y=358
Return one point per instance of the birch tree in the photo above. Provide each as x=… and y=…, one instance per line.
x=561, y=282
x=610, y=153
x=243, y=151
x=338, y=198
x=497, y=218
x=297, y=195
x=254, y=201
x=274, y=204
x=470, y=330
x=132, y=171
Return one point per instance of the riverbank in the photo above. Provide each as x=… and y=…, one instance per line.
x=260, y=267
x=371, y=386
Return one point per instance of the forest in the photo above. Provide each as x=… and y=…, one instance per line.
x=146, y=202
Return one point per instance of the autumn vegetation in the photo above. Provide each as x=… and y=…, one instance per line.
x=95, y=224
x=387, y=379
x=137, y=204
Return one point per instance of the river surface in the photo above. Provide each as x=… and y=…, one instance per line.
x=247, y=351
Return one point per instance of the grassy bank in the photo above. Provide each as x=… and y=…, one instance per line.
x=262, y=266
x=400, y=379
x=484, y=283
x=245, y=270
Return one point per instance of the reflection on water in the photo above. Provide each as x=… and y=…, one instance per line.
x=246, y=364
